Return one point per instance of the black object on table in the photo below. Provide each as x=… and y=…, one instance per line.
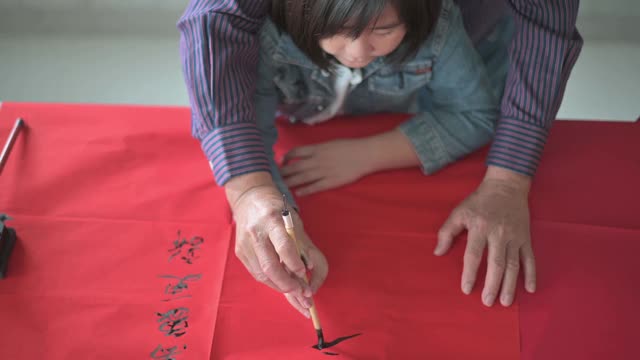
x=7, y=241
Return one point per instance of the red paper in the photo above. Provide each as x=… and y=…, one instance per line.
x=587, y=302
x=110, y=162
x=98, y=196
x=378, y=236
x=82, y=289
x=99, y=193
x=590, y=174
x=586, y=237
x=405, y=302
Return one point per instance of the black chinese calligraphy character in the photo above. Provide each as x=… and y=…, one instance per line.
x=193, y=245
x=335, y=342
x=174, y=322
x=168, y=353
x=180, y=286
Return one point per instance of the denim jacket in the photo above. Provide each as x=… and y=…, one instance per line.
x=445, y=85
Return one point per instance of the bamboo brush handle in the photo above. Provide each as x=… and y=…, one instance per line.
x=312, y=310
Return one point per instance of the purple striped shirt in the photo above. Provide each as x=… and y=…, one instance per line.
x=219, y=49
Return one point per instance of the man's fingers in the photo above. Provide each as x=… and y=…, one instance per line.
x=320, y=185
x=449, y=230
x=295, y=302
x=299, y=152
x=287, y=250
x=302, y=178
x=250, y=261
x=476, y=242
x=317, y=279
x=510, y=276
x=270, y=264
x=318, y=276
x=308, y=260
x=496, y=264
x=529, y=267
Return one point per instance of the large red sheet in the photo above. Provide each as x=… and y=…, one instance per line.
x=383, y=282
x=98, y=194
x=586, y=209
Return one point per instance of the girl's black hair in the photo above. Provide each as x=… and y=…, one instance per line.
x=309, y=21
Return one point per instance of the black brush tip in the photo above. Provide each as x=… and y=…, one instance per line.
x=320, y=339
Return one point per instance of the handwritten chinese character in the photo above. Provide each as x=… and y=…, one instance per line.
x=169, y=353
x=193, y=245
x=174, y=322
x=177, y=288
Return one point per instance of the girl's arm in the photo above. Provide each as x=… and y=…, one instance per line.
x=464, y=109
x=460, y=120
x=464, y=105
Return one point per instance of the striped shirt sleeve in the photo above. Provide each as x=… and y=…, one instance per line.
x=545, y=48
x=219, y=52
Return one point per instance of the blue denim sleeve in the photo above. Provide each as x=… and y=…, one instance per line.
x=458, y=107
x=266, y=102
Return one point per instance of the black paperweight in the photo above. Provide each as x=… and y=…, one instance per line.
x=7, y=241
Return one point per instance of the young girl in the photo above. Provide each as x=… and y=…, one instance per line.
x=322, y=58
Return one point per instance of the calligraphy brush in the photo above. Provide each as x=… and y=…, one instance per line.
x=9, y=144
x=288, y=224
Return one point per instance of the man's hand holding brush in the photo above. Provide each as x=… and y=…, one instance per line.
x=263, y=245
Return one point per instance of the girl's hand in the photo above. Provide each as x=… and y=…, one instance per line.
x=327, y=165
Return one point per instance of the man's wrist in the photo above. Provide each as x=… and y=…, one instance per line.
x=507, y=177
x=238, y=186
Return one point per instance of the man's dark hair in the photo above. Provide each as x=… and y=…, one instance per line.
x=309, y=21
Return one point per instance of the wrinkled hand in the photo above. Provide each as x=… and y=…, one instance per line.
x=266, y=250
x=317, y=265
x=496, y=215
x=326, y=166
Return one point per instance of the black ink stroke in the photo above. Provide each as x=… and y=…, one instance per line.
x=174, y=322
x=179, y=287
x=193, y=245
x=166, y=353
x=335, y=342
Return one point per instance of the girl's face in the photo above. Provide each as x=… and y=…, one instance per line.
x=379, y=39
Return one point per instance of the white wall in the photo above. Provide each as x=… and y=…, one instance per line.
x=126, y=51
x=605, y=83
x=91, y=69
x=606, y=20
